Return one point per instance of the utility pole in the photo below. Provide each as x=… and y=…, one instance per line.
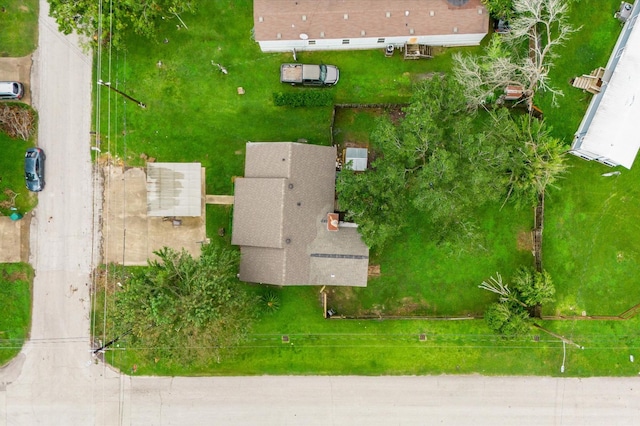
x=106, y=345
x=108, y=84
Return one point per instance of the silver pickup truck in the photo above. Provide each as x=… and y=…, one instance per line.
x=309, y=75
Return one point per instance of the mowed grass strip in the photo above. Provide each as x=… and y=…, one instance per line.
x=15, y=305
x=19, y=23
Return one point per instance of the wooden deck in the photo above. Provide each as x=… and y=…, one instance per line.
x=417, y=51
x=591, y=83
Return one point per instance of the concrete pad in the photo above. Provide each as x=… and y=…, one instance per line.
x=130, y=236
x=219, y=199
x=18, y=69
x=14, y=239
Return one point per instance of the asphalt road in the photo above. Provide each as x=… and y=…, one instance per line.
x=54, y=381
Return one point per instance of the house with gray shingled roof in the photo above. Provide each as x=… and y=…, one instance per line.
x=285, y=223
x=286, y=25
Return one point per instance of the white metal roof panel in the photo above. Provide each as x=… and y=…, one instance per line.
x=174, y=189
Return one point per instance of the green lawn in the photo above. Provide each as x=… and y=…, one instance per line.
x=586, y=50
x=15, y=305
x=196, y=114
x=591, y=244
x=19, y=23
x=591, y=232
x=380, y=347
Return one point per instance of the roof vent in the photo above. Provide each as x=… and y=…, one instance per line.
x=455, y=29
x=363, y=32
x=406, y=13
x=432, y=13
x=288, y=241
x=411, y=31
x=290, y=186
x=304, y=17
x=260, y=19
x=346, y=16
x=388, y=14
x=279, y=36
x=322, y=34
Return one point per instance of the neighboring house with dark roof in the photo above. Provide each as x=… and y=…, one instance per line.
x=284, y=25
x=284, y=221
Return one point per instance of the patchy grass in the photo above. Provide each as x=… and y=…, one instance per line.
x=15, y=305
x=19, y=23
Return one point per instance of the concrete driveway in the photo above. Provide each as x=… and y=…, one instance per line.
x=130, y=236
x=14, y=243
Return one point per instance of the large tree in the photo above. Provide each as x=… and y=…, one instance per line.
x=109, y=20
x=502, y=9
x=536, y=159
x=185, y=308
x=521, y=57
x=432, y=161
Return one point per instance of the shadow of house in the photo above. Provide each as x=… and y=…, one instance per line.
x=284, y=219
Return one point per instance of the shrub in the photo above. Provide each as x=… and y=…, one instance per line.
x=308, y=98
x=270, y=301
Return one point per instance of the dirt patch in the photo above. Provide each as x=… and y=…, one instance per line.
x=525, y=241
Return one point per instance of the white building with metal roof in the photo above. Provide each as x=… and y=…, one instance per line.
x=608, y=132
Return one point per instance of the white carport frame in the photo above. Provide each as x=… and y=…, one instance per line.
x=608, y=132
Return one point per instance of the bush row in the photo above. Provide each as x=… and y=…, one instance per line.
x=307, y=98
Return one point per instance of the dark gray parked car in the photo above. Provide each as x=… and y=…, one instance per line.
x=34, y=169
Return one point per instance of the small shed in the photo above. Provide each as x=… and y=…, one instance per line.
x=174, y=189
x=357, y=157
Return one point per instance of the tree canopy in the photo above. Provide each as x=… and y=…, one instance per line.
x=186, y=308
x=536, y=159
x=511, y=315
x=541, y=25
x=113, y=18
x=445, y=160
x=499, y=8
